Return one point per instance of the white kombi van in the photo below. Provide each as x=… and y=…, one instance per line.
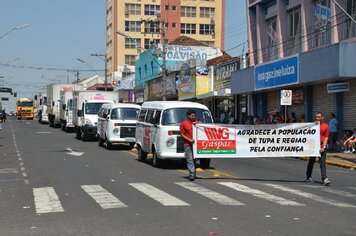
x=157, y=129
x=117, y=124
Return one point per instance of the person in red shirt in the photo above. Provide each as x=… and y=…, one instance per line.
x=324, y=136
x=186, y=131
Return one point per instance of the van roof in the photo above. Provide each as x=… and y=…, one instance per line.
x=172, y=104
x=117, y=105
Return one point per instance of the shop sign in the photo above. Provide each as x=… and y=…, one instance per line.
x=155, y=87
x=222, y=74
x=298, y=96
x=128, y=82
x=185, y=53
x=186, y=82
x=203, y=84
x=322, y=12
x=250, y=141
x=338, y=87
x=277, y=73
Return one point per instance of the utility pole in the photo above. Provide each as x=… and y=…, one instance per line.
x=106, y=70
x=77, y=74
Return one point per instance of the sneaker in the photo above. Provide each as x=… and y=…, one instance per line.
x=326, y=182
x=309, y=180
x=191, y=178
x=347, y=152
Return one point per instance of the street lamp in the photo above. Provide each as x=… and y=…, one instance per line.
x=163, y=66
x=19, y=27
x=86, y=63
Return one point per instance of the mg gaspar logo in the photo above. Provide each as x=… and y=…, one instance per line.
x=216, y=140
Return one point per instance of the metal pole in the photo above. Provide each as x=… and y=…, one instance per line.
x=344, y=11
x=164, y=68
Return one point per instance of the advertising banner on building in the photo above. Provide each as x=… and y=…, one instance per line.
x=222, y=74
x=185, y=53
x=202, y=84
x=277, y=73
x=186, y=82
x=156, y=87
x=252, y=141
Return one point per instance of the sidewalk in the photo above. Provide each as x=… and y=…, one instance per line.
x=339, y=159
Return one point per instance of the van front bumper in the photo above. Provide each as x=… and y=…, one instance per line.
x=89, y=130
x=170, y=155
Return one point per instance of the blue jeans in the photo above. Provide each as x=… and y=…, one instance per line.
x=322, y=160
x=188, y=152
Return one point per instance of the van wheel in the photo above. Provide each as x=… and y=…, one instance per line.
x=63, y=127
x=204, y=163
x=141, y=155
x=77, y=133
x=156, y=161
x=100, y=142
x=83, y=137
x=108, y=144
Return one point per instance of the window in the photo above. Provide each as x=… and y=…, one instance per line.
x=151, y=42
x=130, y=60
x=166, y=24
x=132, y=26
x=124, y=113
x=132, y=9
x=176, y=116
x=209, y=43
x=166, y=7
x=188, y=12
x=206, y=29
x=350, y=26
x=151, y=28
x=272, y=39
x=174, y=25
x=149, y=116
x=188, y=29
x=92, y=108
x=152, y=10
x=293, y=45
x=142, y=115
x=132, y=43
x=207, y=12
x=322, y=26
x=174, y=8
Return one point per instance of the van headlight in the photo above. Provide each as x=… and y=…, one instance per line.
x=88, y=122
x=170, y=142
x=116, y=131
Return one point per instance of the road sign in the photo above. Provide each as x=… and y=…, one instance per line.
x=286, y=97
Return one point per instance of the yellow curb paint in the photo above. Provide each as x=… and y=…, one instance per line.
x=199, y=170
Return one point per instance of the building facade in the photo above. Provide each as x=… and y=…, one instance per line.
x=307, y=46
x=144, y=21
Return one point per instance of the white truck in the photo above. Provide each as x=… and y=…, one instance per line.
x=66, y=109
x=40, y=103
x=53, y=99
x=86, y=105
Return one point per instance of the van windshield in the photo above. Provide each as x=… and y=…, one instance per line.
x=124, y=114
x=93, y=108
x=176, y=116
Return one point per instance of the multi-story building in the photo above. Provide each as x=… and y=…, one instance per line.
x=307, y=46
x=144, y=21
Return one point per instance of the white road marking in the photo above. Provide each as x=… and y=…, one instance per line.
x=334, y=191
x=311, y=196
x=24, y=174
x=354, y=188
x=46, y=200
x=21, y=164
x=27, y=181
x=18, y=155
x=160, y=196
x=43, y=132
x=23, y=169
x=215, y=196
x=20, y=159
x=105, y=199
x=260, y=194
x=9, y=171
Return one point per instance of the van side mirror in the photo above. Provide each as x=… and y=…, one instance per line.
x=79, y=113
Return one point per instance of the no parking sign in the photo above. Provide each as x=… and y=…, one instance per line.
x=286, y=97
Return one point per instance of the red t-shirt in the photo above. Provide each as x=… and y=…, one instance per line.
x=324, y=133
x=186, y=128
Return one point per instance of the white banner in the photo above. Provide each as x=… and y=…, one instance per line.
x=251, y=141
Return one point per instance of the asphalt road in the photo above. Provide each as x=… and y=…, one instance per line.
x=54, y=184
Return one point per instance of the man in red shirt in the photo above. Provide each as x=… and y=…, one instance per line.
x=324, y=135
x=186, y=131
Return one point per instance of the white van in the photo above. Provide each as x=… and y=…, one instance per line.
x=157, y=129
x=117, y=124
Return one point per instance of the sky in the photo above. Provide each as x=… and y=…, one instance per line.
x=59, y=32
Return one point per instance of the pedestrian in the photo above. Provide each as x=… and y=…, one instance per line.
x=302, y=118
x=324, y=135
x=334, y=127
x=231, y=118
x=4, y=116
x=293, y=118
x=186, y=131
x=19, y=113
x=349, y=143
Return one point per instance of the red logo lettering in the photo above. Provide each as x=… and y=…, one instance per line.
x=217, y=133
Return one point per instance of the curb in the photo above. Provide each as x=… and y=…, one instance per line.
x=333, y=163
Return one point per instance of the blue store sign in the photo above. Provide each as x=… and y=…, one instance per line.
x=277, y=73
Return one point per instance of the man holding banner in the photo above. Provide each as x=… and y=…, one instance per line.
x=324, y=135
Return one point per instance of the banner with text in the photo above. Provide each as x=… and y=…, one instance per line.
x=250, y=141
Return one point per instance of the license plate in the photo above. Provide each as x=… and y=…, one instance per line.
x=130, y=139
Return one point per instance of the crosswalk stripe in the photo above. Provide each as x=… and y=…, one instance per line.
x=260, y=194
x=215, y=196
x=105, y=199
x=160, y=196
x=46, y=200
x=354, y=188
x=311, y=196
x=334, y=191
